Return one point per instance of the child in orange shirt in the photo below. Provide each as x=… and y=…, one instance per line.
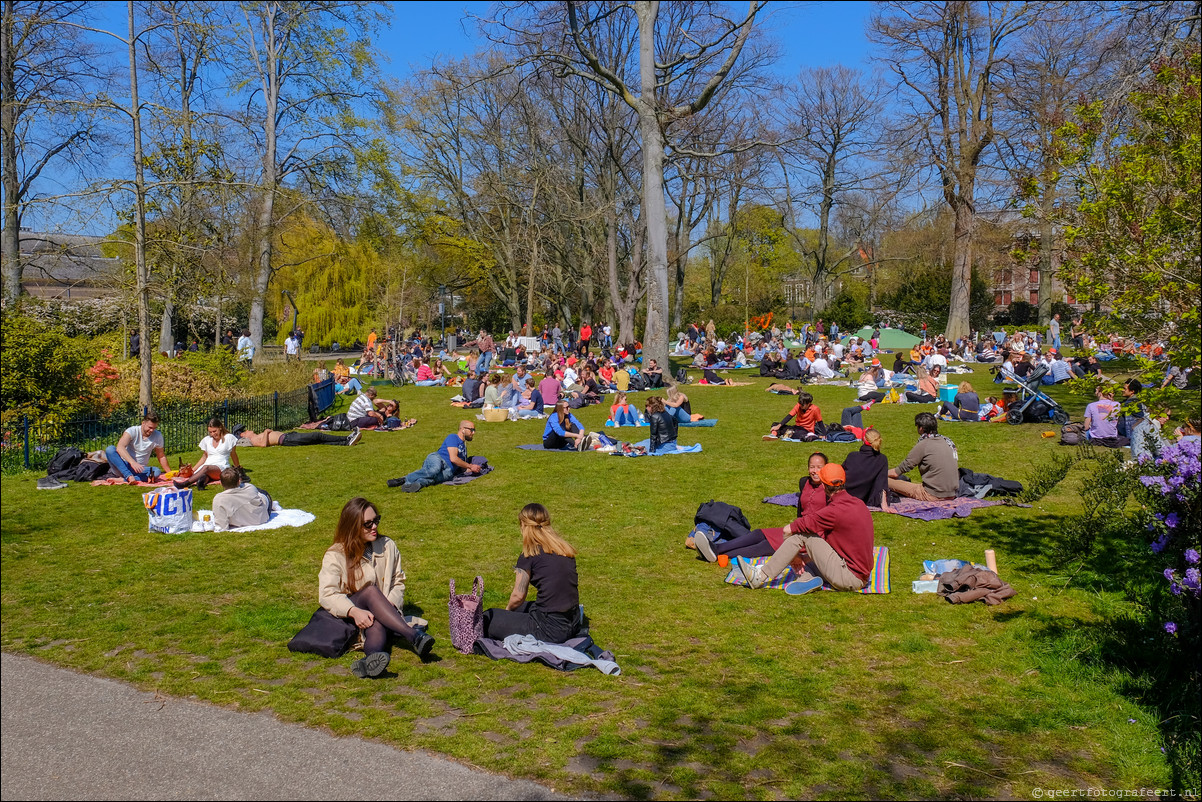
x=807, y=414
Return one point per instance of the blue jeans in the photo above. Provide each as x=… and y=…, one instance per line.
x=678, y=413
x=485, y=361
x=431, y=382
x=434, y=470
x=626, y=416
x=351, y=383
x=125, y=469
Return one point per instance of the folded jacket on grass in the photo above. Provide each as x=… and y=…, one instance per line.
x=570, y=655
x=466, y=477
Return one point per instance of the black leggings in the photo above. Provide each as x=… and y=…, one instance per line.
x=916, y=397
x=529, y=620
x=555, y=441
x=388, y=619
x=878, y=397
x=752, y=544
x=312, y=439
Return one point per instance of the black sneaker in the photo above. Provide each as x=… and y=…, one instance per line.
x=395, y=482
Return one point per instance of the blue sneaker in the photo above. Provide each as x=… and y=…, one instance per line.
x=803, y=586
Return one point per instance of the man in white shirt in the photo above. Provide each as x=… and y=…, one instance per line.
x=363, y=413
x=131, y=456
x=291, y=348
x=936, y=358
x=837, y=350
x=821, y=369
x=246, y=349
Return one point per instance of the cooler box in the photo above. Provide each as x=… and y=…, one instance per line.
x=948, y=393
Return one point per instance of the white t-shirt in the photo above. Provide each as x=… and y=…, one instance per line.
x=837, y=350
x=570, y=376
x=937, y=359
x=142, y=447
x=360, y=407
x=291, y=346
x=820, y=368
x=217, y=455
x=246, y=347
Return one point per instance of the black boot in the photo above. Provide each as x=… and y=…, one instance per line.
x=423, y=642
x=203, y=481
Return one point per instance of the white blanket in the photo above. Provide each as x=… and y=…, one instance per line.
x=280, y=517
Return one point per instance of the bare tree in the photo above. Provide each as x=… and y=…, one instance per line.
x=948, y=59
x=47, y=77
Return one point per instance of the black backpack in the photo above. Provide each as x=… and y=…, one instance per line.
x=87, y=471
x=638, y=383
x=726, y=518
x=682, y=377
x=339, y=423
x=65, y=460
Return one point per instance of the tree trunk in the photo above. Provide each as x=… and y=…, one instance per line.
x=958, y=324
x=655, y=215
x=10, y=251
x=1047, y=243
x=167, y=325
x=530, y=288
x=143, y=272
x=265, y=232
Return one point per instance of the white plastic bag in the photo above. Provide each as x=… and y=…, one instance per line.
x=170, y=510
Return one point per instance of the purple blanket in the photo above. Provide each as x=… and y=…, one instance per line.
x=912, y=508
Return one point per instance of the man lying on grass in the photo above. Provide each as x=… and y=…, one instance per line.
x=834, y=540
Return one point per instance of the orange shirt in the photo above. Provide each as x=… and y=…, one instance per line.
x=807, y=419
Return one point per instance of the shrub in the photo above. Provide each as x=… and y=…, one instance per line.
x=43, y=371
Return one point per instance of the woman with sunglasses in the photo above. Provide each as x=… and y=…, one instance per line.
x=361, y=579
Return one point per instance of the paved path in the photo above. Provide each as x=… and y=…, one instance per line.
x=75, y=736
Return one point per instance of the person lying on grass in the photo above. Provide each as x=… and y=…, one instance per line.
x=677, y=404
x=765, y=542
x=562, y=429
x=361, y=578
x=239, y=503
x=218, y=450
x=443, y=465
x=806, y=413
x=548, y=562
x=270, y=437
x=834, y=541
x=937, y=461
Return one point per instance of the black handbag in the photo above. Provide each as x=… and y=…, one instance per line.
x=325, y=634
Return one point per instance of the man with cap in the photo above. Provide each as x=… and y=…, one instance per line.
x=835, y=542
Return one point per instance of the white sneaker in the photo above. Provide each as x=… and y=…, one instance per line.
x=704, y=547
x=354, y=438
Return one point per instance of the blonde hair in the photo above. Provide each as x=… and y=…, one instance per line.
x=966, y=387
x=537, y=535
x=873, y=438
x=673, y=392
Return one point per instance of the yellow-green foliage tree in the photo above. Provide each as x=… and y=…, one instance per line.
x=332, y=281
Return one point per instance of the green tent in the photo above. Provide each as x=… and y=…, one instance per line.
x=891, y=339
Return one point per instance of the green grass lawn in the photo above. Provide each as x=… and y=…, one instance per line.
x=724, y=692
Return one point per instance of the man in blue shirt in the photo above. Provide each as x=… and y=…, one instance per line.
x=449, y=461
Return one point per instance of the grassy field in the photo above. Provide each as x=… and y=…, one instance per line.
x=724, y=692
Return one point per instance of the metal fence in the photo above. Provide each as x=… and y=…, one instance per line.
x=29, y=443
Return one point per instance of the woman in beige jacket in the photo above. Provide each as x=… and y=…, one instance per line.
x=361, y=578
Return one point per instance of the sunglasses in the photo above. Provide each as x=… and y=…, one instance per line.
x=374, y=523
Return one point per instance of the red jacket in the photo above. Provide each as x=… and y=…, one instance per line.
x=846, y=524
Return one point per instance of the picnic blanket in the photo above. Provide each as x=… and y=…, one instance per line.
x=692, y=423
x=913, y=508
x=570, y=655
x=539, y=447
x=280, y=518
x=465, y=477
x=119, y=481
x=663, y=452
x=878, y=579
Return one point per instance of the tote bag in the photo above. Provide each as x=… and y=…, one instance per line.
x=325, y=634
x=467, y=616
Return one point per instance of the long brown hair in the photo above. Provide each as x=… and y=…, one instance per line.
x=348, y=539
x=537, y=535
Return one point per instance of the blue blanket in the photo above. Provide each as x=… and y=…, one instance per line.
x=692, y=423
x=663, y=452
x=539, y=447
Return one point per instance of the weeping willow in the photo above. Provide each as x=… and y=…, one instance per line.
x=330, y=280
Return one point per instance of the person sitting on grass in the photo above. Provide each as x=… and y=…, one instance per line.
x=807, y=415
x=270, y=437
x=835, y=541
x=361, y=578
x=443, y=465
x=663, y=425
x=548, y=391
x=928, y=386
x=1102, y=417
x=867, y=472
x=937, y=461
x=966, y=406
x=677, y=404
x=239, y=503
x=562, y=429
x=870, y=382
x=623, y=413
x=548, y=562
x=363, y=413
x=765, y=542
x=425, y=376
x=219, y=449
x=654, y=374
x=131, y=456
x=343, y=383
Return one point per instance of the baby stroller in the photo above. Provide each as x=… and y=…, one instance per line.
x=1032, y=405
